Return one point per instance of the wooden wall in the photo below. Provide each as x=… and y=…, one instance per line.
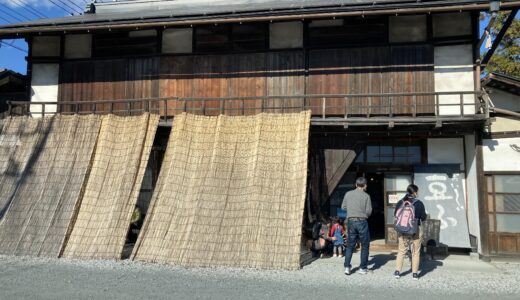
x=108, y=80
x=374, y=70
x=335, y=71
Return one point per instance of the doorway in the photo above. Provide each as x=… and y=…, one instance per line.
x=376, y=190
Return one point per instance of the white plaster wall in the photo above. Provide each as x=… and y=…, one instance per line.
x=505, y=124
x=472, y=196
x=451, y=24
x=78, y=46
x=504, y=100
x=453, y=72
x=501, y=154
x=177, y=40
x=407, y=28
x=446, y=151
x=46, y=46
x=286, y=35
x=44, y=87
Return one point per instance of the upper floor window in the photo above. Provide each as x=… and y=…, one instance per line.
x=140, y=42
x=231, y=37
x=349, y=31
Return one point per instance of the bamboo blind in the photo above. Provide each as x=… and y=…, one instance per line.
x=18, y=140
x=44, y=197
x=231, y=192
x=113, y=187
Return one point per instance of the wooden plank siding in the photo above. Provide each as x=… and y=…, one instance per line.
x=112, y=79
x=375, y=70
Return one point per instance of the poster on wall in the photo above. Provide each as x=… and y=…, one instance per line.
x=441, y=188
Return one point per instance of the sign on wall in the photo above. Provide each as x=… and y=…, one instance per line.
x=441, y=188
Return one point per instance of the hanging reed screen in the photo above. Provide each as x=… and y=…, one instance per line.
x=18, y=141
x=113, y=186
x=50, y=169
x=231, y=192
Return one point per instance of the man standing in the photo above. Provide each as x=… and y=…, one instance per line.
x=358, y=205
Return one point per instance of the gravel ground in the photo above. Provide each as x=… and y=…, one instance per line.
x=457, y=277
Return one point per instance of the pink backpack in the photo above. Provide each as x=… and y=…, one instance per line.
x=405, y=221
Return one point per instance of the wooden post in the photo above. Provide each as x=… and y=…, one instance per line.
x=43, y=110
x=437, y=110
x=323, y=107
x=346, y=107
x=222, y=106
x=165, y=110
x=414, y=106
x=461, y=104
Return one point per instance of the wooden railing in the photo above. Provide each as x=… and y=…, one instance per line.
x=326, y=109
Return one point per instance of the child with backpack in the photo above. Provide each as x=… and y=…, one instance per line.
x=409, y=212
x=336, y=232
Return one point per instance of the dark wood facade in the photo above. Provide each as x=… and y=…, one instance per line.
x=374, y=70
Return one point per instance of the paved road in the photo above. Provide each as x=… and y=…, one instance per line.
x=453, y=278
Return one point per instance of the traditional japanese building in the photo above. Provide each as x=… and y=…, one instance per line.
x=393, y=87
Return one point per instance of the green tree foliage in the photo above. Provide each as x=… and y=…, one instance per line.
x=507, y=56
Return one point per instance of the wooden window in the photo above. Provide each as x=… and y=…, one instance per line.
x=142, y=42
x=392, y=153
x=506, y=206
x=231, y=37
x=348, y=32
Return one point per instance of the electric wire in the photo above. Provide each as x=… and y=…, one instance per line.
x=13, y=46
x=28, y=8
x=15, y=12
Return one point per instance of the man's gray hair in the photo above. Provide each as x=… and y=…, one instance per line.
x=361, y=181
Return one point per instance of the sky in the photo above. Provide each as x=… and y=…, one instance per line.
x=12, y=55
x=16, y=11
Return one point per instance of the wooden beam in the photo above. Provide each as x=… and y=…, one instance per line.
x=499, y=37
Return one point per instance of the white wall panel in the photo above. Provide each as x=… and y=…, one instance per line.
x=177, y=40
x=472, y=195
x=44, y=86
x=451, y=24
x=454, y=73
x=407, y=28
x=46, y=46
x=78, y=46
x=446, y=151
x=501, y=154
x=286, y=35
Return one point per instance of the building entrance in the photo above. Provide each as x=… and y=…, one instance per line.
x=376, y=190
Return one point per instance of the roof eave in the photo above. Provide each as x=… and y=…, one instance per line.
x=25, y=29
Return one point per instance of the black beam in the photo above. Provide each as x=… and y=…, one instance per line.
x=499, y=37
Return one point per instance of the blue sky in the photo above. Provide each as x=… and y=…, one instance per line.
x=15, y=11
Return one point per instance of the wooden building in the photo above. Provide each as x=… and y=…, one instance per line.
x=393, y=86
x=501, y=167
x=13, y=86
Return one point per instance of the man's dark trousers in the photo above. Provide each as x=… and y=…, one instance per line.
x=357, y=230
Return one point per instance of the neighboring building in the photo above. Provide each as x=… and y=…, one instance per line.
x=394, y=87
x=13, y=87
x=501, y=153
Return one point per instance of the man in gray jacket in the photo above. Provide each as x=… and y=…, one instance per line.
x=358, y=205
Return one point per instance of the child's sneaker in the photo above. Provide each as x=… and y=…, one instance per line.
x=397, y=275
x=341, y=255
x=415, y=276
x=335, y=255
